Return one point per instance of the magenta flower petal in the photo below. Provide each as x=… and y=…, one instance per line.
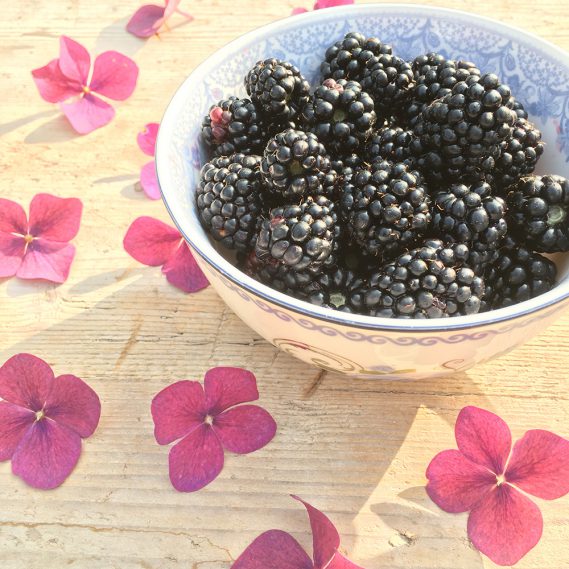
x=88, y=113
x=13, y=218
x=182, y=271
x=151, y=241
x=196, y=460
x=12, y=251
x=46, y=455
x=74, y=60
x=228, y=386
x=296, y=11
x=53, y=218
x=505, y=525
x=321, y=4
x=114, y=75
x=177, y=410
x=276, y=549
x=484, y=438
x=146, y=21
x=340, y=562
x=245, y=429
x=539, y=465
x=457, y=484
x=149, y=181
x=171, y=7
x=14, y=422
x=25, y=380
x=146, y=139
x=53, y=85
x=47, y=260
x=74, y=404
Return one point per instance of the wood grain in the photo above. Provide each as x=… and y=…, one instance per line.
x=356, y=449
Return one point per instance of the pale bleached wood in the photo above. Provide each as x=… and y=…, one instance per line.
x=356, y=449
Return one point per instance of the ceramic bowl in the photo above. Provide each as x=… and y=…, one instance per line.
x=345, y=343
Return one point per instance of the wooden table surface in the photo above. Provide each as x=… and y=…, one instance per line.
x=357, y=449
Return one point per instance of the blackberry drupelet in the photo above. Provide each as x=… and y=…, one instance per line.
x=460, y=135
x=294, y=163
x=347, y=58
x=234, y=125
x=299, y=236
x=391, y=143
x=538, y=213
x=386, y=208
x=341, y=115
x=229, y=199
x=332, y=288
x=518, y=108
x=470, y=215
x=279, y=90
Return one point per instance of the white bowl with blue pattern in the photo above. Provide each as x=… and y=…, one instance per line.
x=537, y=72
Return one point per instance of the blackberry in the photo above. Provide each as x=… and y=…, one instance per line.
x=341, y=115
x=299, y=236
x=332, y=288
x=386, y=207
x=538, y=213
x=391, y=143
x=460, y=135
x=229, y=199
x=389, y=80
x=347, y=58
x=435, y=76
x=233, y=125
x=278, y=88
x=470, y=215
x=294, y=163
x=426, y=282
x=518, y=108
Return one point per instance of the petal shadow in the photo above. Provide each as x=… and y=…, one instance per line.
x=57, y=129
x=7, y=127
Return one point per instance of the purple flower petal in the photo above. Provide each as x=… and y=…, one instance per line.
x=151, y=241
x=245, y=429
x=321, y=4
x=74, y=60
x=53, y=85
x=114, y=75
x=88, y=113
x=296, y=11
x=228, y=386
x=182, y=271
x=14, y=422
x=340, y=562
x=12, y=250
x=196, y=460
x=146, y=21
x=13, y=218
x=47, y=260
x=53, y=218
x=146, y=139
x=171, y=7
x=149, y=181
x=177, y=410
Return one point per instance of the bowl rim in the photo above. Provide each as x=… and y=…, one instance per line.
x=214, y=259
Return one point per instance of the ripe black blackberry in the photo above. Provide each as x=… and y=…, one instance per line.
x=386, y=208
x=299, y=236
x=294, y=163
x=470, y=215
x=460, y=135
x=229, y=199
x=426, y=282
x=391, y=143
x=234, y=125
x=518, y=108
x=278, y=88
x=332, y=288
x=389, y=80
x=341, y=115
x=347, y=58
x=538, y=213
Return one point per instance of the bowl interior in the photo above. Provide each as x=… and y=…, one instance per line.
x=533, y=68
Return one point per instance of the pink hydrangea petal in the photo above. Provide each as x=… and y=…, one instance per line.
x=114, y=75
x=296, y=11
x=12, y=249
x=182, y=271
x=539, y=465
x=171, y=7
x=228, y=386
x=149, y=181
x=13, y=218
x=53, y=218
x=26, y=380
x=88, y=113
x=321, y=4
x=146, y=21
x=146, y=139
x=151, y=241
x=484, y=438
x=340, y=562
x=325, y=537
x=505, y=525
x=276, y=549
x=46, y=455
x=457, y=484
x=177, y=410
x=245, y=429
x=14, y=422
x=47, y=260
x=74, y=60
x=53, y=85
x=74, y=404
x=196, y=460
